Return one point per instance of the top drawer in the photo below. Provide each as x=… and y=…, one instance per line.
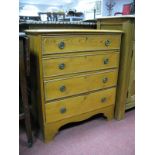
x=70, y=43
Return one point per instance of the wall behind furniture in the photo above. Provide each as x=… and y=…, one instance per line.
x=32, y=7
x=88, y=7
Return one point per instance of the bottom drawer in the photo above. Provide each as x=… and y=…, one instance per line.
x=69, y=107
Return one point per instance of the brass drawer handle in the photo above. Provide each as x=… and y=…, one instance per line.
x=107, y=43
x=103, y=99
x=63, y=110
x=106, y=61
x=105, y=80
x=63, y=88
x=61, y=45
x=62, y=66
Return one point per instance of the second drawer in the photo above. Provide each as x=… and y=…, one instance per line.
x=74, y=64
x=64, y=87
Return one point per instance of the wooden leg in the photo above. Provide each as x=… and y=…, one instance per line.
x=109, y=113
x=50, y=131
x=109, y=116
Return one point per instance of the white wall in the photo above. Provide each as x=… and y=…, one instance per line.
x=88, y=6
x=31, y=7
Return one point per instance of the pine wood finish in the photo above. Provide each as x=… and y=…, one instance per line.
x=83, y=42
x=74, y=64
x=51, y=129
x=79, y=84
x=83, y=86
x=126, y=82
x=79, y=104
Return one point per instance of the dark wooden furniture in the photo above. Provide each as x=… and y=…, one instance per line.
x=24, y=71
x=56, y=25
x=29, y=18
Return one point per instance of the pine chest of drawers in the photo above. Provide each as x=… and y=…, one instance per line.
x=73, y=75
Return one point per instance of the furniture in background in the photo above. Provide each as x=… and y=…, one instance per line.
x=29, y=18
x=74, y=75
x=24, y=71
x=52, y=16
x=126, y=81
x=56, y=25
x=73, y=19
x=126, y=10
x=74, y=16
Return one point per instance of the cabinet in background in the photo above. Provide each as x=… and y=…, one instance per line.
x=126, y=78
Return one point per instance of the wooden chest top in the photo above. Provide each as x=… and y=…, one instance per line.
x=75, y=31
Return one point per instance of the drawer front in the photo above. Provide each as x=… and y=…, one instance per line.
x=79, y=84
x=69, y=107
x=73, y=64
x=61, y=44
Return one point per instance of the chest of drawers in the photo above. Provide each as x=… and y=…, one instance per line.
x=73, y=75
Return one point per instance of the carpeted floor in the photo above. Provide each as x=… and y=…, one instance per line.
x=95, y=136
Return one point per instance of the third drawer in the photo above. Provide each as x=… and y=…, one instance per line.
x=64, y=87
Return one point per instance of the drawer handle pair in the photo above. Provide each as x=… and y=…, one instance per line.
x=61, y=45
x=107, y=43
x=63, y=109
x=63, y=88
x=62, y=66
